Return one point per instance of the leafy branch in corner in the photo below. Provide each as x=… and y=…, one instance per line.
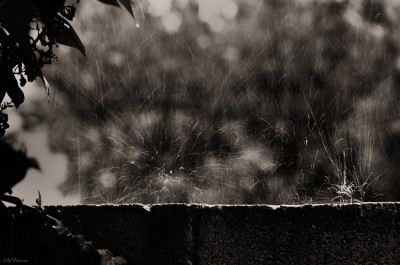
x=43, y=239
x=29, y=32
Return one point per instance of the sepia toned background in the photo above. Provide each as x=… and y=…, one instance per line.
x=228, y=101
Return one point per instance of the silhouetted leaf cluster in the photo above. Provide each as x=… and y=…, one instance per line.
x=29, y=32
x=4, y=118
x=13, y=166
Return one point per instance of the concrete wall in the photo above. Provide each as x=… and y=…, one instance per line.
x=196, y=234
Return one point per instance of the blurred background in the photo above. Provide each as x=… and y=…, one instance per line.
x=220, y=101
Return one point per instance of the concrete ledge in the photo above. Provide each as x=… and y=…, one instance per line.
x=198, y=234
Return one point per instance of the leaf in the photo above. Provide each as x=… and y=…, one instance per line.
x=67, y=35
x=106, y=255
x=118, y=261
x=10, y=85
x=16, y=94
x=2, y=93
x=46, y=85
x=128, y=4
x=28, y=56
x=60, y=228
x=39, y=200
x=110, y=2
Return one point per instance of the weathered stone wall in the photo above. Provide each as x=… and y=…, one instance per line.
x=197, y=234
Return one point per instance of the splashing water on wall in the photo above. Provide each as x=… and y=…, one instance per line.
x=230, y=102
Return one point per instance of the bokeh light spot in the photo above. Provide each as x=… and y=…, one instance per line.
x=172, y=22
x=203, y=41
x=182, y=3
x=208, y=9
x=116, y=58
x=231, y=54
x=217, y=24
x=158, y=8
x=229, y=9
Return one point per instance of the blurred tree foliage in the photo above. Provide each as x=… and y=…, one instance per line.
x=288, y=102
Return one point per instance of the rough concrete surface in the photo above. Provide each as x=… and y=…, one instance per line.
x=199, y=234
